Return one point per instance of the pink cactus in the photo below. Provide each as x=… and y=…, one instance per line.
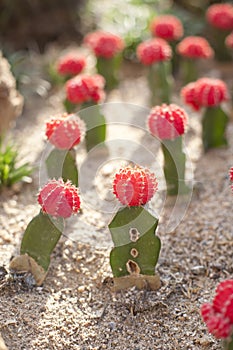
x=134, y=186
x=195, y=47
x=104, y=44
x=220, y=16
x=167, y=27
x=154, y=50
x=218, y=315
x=65, y=131
x=59, y=199
x=85, y=88
x=167, y=121
x=71, y=64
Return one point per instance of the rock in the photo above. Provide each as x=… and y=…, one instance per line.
x=2, y=344
x=11, y=101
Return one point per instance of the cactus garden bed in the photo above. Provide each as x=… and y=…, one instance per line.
x=77, y=308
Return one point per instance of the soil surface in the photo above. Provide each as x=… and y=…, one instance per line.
x=76, y=307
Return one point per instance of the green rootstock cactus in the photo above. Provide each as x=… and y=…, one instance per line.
x=133, y=234
x=59, y=201
x=168, y=123
x=136, y=247
x=214, y=124
x=64, y=132
x=95, y=125
x=62, y=163
x=160, y=82
x=109, y=69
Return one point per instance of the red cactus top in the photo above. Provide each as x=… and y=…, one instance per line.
x=220, y=16
x=205, y=92
x=218, y=315
x=153, y=50
x=104, y=44
x=195, y=47
x=229, y=41
x=231, y=175
x=65, y=131
x=85, y=88
x=71, y=64
x=134, y=186
x=58, y=198
x=167, y=122
x=168, y=27
x=188, y=94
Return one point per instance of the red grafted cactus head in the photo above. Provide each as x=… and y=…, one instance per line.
x=85, y=88
x=229, y=41
x=188, y=95
x=211, y=92
x=195, y=47
x=104, y=44
x=134, y=186
x=71, y=64
x=231, y=174
x=220, y=16
x=154, y=50
x=167, y=121
x=218, y=315
x=167, y=27
x=60, y=199
x=66, y=131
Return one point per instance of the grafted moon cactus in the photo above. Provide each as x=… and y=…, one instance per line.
x=58, y=201
x=168, y=123
x=136, y=247
x=64, y=133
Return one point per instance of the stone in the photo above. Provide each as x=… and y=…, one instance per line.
x=11, y=101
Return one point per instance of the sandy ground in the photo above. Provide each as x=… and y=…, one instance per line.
x=76, y=308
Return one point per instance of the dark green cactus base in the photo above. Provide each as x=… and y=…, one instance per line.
x=217, y=41
x=62, y=163
x=70, y=107
x=160, y=82
x=137, y=247
x=40, y=238
x=214, y=123
x=108, y=68
x=228, y=344
x=174, y=166
x=95, y=125
x=189, y=70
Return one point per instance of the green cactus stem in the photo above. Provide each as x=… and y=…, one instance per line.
x=214, y=123
x=174, y=166
x=62, y=163
x=95, y=125
x=189, y=70
x=70, y=107
x=39, y=240
x=217, y=39
x=136, y=247
x=160, y=82
x=228, y=344
x=109, y=69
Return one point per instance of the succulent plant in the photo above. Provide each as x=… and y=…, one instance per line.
x=168, y=123
x=58, y=201
x=107, y=48
x=209, y=93
x=87, y=92
x=156, y=53
x=136, y=247
x=64, y=132
x=218, y=314
x=193, y=48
